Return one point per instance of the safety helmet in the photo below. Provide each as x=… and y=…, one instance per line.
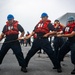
x=71, y=18
x=44, y=15
x=10, y=17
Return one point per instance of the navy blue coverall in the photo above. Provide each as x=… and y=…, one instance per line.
x=69, y=45
x=42, y=43
x=14, y=45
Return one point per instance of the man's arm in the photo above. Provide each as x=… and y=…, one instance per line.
x=27, y=37
x=62, y=25
x=53, y=32
x=22, y=34
x=3, y=33
x=1, y=36
x=67, y=35
x=20, y=28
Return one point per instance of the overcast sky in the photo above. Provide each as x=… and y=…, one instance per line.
x=28, y=12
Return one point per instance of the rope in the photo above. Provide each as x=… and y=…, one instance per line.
x=12, y=40
x=9, y=41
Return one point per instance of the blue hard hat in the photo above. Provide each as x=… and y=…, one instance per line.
x=71, y=18
x=10, y=17
x=44, y=15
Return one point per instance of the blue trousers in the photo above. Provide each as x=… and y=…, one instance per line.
x=58, y=42
x=15, y=46
x=44, y=44
x=68, y=46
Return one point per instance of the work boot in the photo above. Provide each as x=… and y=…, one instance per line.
x=24, y=70
x=0, y=69
x=59, y=70
x=73, y=72
x=54, y=68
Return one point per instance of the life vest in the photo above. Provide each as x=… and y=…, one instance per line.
x=11, y=29
x=42, y=27
x=69, y=28
x=35, y=36
x=59, y=28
